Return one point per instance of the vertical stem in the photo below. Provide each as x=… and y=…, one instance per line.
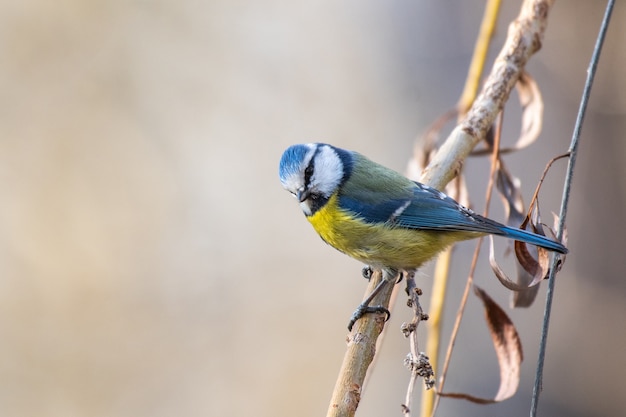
x=591, y=72
x=433, y=342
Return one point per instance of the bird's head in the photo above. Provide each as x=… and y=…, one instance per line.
x=312, y=172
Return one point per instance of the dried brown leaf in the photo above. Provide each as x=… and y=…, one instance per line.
x=508, y=346
x=509, y=188
x=524, y=293
x=532, y=116
x=524, y=297
x=507, y=343
x=425, y=147
x=424, y=150
x=556, y=220
x=540, y=266
x=501, y=275
x=532, y=110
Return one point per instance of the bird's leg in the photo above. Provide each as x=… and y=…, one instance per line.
x=365, y=308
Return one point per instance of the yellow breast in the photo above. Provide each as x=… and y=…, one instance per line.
x=378, y=244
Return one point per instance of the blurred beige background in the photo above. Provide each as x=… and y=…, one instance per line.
x=151, y=264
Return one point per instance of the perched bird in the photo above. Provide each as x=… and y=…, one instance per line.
x=378, y=216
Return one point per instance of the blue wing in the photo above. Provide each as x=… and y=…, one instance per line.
x=433, y=210
x=430, y=209
x=426, y=209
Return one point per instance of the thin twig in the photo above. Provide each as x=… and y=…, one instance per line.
x=416, y=361
x=533, y=200
x=573, y=150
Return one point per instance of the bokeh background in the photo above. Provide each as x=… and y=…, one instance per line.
x=151, y=264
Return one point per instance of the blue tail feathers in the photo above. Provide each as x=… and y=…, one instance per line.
x=533, y=239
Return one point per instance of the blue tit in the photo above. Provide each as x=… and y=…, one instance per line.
x=378, y=216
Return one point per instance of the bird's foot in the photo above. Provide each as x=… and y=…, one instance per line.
x=364, y=309
x=367, y=272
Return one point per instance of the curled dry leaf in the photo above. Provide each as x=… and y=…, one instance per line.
x=426, y=146
x=425, y=149
x=526, y=296
x=501, y=275
x=532, y=115
x=508, y=346
x=524, y=293
x=556, y=220
x=539, y=267
x=563, y=239
x=532, y=110
x=509, y=188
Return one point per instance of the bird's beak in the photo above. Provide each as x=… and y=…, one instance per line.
x=302, y=194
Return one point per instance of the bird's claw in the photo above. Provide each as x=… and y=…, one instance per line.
x=367, y=272
x=363, y=309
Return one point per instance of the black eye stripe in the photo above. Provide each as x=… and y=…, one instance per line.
x=308, y=172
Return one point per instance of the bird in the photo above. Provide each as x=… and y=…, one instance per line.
x=378, y=216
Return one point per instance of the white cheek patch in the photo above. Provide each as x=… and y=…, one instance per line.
x=328, y=172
